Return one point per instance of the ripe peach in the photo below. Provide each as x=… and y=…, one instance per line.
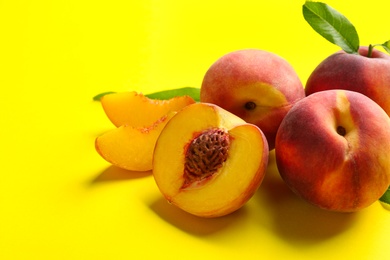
x=209, y=162
x=131, y=148
x=256, y=85
x=135, y=109
x=367, y=75
x=332, y=150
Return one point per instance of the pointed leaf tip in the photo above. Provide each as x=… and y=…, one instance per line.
x=332, y=25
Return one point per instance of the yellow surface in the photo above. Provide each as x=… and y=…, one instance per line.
x=60, y=200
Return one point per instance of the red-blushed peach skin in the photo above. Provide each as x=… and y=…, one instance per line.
x=257, y=76
x=369, y=76
x=335, y=172
x=235, y=182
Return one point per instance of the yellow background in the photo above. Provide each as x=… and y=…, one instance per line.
x=60, y=200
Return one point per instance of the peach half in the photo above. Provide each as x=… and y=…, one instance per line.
x=129, y=147
x=208, y=161
x=137, y=110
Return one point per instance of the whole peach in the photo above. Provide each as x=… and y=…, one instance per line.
x=367, y=75
x=256, y=85
x=332, y=149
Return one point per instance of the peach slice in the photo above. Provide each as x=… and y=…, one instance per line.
x=131, y=148
x=137, y=110
x=208, y=161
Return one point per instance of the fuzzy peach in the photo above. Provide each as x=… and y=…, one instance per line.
x=209, y=162
x=256, y=85
x=332, y=149
x=356, y=72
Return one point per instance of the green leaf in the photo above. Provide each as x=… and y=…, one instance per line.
x=167, y=94
x=332, y=25
x=386, y=46
x=386, y=198
x=98, y=97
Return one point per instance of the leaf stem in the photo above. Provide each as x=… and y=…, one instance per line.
x=371, y=48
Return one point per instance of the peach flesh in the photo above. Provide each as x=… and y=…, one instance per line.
x=135, y=109
x=240, y=174
x=131, y=148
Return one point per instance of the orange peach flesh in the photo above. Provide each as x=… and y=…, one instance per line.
x=131, y=148
x=232, y=184
x=137, y=110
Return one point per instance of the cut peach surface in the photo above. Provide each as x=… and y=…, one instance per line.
x=131, y=148
x=208, y=161
x=132, y=108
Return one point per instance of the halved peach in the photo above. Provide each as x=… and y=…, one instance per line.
x=208, y=161
x=129, y=147
x=137, y=110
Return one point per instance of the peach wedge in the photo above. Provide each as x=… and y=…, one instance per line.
x=137, y=110
x=209, y=162
x=131, y=148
